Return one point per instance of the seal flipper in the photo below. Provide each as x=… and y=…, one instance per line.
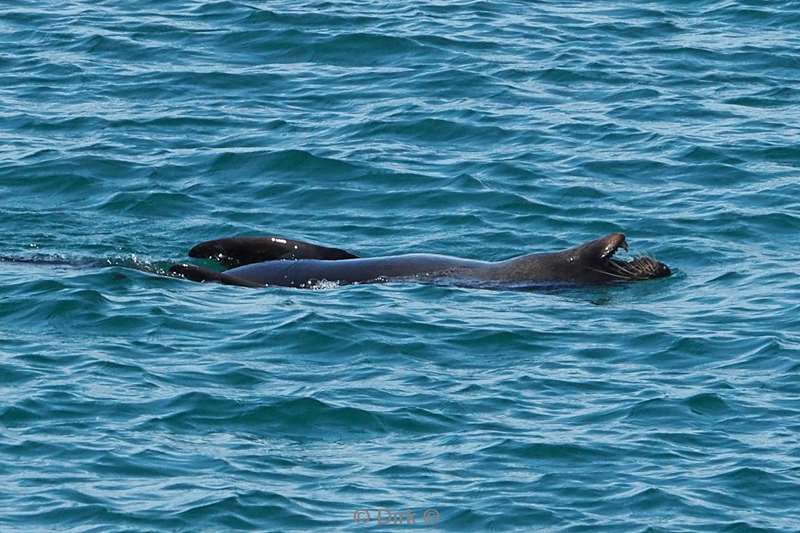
x=196, y=273
x=238, y=251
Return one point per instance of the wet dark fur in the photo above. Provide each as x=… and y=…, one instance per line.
x=263, y=261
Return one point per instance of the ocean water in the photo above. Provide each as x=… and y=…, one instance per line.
x=130, y=401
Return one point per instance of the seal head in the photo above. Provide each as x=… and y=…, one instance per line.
x=596, y=263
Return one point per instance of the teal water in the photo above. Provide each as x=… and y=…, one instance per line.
x=134, y=402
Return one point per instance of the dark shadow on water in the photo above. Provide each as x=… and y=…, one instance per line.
x=55, y=260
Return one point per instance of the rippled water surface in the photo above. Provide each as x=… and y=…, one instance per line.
x=130, y=131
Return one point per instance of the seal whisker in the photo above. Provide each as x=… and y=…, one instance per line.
x=608, y=273
x=624, y=268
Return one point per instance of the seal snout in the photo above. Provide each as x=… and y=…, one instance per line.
x=636, y=268
x=649, y=267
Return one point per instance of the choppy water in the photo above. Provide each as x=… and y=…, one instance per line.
x=131, y=130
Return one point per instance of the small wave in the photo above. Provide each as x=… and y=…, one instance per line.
x=284, y=163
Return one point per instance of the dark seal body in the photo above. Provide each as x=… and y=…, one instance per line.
x=308, y=265
x=302, y=273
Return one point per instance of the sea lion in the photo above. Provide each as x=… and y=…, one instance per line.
x=265, y=261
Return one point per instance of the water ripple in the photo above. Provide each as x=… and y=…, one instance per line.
x=136, y=402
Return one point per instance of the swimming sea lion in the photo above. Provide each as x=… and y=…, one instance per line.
x=264, y=261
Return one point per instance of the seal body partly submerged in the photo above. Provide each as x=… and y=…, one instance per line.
x=265, y=261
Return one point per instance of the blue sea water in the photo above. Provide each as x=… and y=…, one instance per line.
x=130, y=131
